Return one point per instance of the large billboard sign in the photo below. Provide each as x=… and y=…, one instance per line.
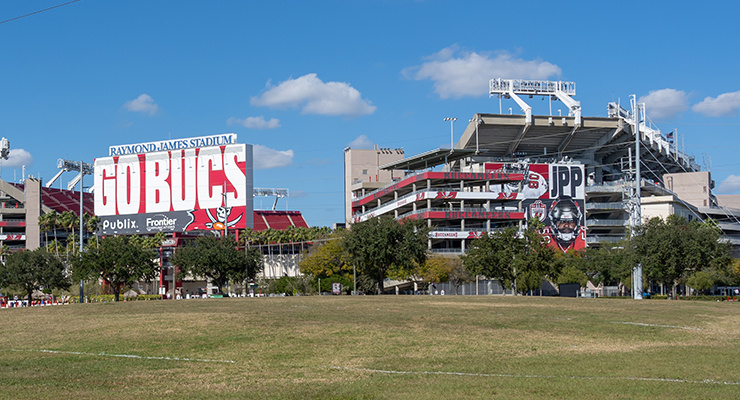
x=185, y=189
x=553, y=193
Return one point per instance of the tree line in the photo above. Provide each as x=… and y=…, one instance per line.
x=121, y=261
x=672, y=252
x=118, y=261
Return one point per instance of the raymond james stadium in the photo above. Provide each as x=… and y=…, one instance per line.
x=587, y=179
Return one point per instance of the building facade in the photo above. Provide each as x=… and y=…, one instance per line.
x=466, y=190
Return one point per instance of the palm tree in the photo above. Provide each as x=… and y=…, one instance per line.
x=68, y=220
x=53, y=221
x=4, y=252
x=44, y=225
x=92, y=223
x=49, y=221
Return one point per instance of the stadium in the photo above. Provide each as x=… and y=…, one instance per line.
x=577, y=174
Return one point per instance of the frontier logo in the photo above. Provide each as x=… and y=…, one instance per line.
x=160, y=222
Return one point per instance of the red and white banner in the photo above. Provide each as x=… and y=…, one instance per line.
x=12, y=237
x=456, y=234
x=208, y=183
x=553, y=193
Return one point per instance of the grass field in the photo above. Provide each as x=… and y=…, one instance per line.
x=416, y=347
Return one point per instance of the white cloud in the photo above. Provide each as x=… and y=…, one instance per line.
x=362, y=142
x=724, y=105
x=468, y=73
x=266, y=158
x=315, y=97
x=665, y=103
x=255, y=122
x=731, y=184
x=17, y=158
x=143, y=104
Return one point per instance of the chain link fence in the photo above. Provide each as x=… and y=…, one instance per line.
x=485, y=287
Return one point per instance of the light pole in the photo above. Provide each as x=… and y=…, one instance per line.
x=82, y=220
x=83, y=169
x=637, y=218
x=452, y=142
x=477, y=121
x=226, y=216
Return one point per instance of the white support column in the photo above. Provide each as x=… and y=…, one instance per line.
x=637, y=220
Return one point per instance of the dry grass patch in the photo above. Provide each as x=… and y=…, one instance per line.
x=319, y=347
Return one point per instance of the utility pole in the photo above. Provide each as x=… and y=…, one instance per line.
x=82, y=221
x=637, y=210
x=226, y=214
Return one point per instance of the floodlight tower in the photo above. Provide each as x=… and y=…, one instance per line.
x=4, y=148
x=278, y=193
x=83, y=169
x=512, y=88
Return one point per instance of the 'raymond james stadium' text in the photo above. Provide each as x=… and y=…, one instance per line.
x=176, y=144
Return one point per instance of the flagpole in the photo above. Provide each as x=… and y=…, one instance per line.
x=676, y=143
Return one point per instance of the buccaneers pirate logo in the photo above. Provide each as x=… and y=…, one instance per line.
x=222, y=214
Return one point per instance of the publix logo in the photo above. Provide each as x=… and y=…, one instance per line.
x=160, y=222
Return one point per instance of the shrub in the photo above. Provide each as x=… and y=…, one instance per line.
x=109, y=298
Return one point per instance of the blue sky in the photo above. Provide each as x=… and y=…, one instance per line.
x=302, y=80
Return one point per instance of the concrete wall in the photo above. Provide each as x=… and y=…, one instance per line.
x=663, y=206
x=32, y=200
x=693, y=187
x=362, y=166
x=729, y=200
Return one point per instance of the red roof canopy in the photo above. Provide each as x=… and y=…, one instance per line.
x=281, y=220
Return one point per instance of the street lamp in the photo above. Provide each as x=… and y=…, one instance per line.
x=452, y=120
x=478, y=121
x=83, y=169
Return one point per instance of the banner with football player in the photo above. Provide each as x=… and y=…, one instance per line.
x=553, y=193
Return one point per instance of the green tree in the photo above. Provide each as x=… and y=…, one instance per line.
x=4, y=253
x=50, y=221
x=47, y=222
x=507, y=255
x=382, y=247
x=219, y=260
x=325, y=259
x=92, y=223
x=609, y=264
x=701, y=281
x=572, y=274
x=457, y=274
x=435, y=269
x=118, y=260
x=440, y=268
x=33, y=270
x=290, y=285
x=68, y=220
x=672, y=250
x=570, y=267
